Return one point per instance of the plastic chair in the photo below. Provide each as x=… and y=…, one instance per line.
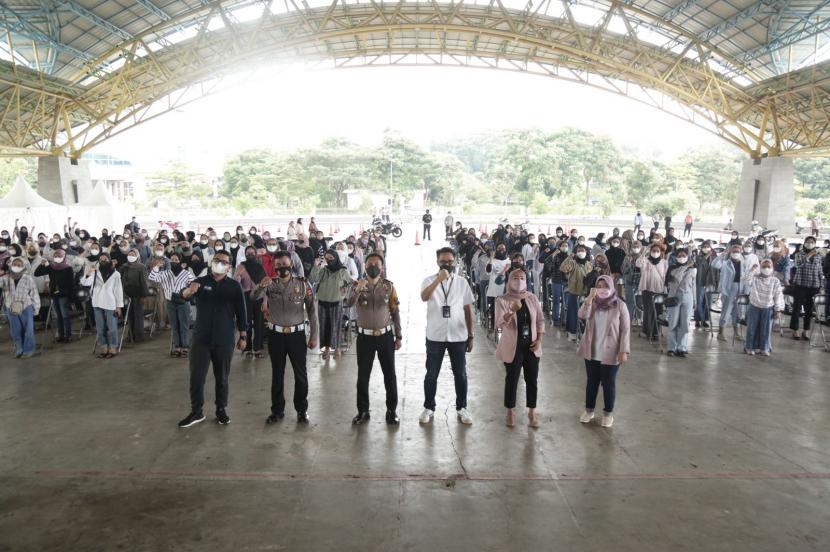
x=820, y=321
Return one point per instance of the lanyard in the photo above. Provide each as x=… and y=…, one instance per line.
x=447, y=293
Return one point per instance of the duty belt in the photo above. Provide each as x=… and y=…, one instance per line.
x=369, y=331
x=285, y=329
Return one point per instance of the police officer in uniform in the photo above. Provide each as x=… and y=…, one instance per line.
x=287, y=296
x=427, y=220
x=378, y=331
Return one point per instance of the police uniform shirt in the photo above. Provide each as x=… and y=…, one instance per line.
x=286, y=301
x=377, y=306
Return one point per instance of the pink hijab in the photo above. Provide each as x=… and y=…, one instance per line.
x=514, y=294
x=611, y=301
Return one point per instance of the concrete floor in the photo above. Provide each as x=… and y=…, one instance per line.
x=718, y=451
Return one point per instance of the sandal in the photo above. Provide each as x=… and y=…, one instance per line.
x=175, y=353
x=110, y=355
x=249, y=355
x=183, y=353
x=259, y=354
x=102, y=355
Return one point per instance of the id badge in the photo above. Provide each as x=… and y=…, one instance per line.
x=445, y=311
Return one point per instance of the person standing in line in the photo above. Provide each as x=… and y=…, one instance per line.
x=638, y=221
x=681, y=280
x=331, y=281
x=172, y=281
x=733, y=265
x=107, y=298
x=655, y=219
x=449, y=302
x=652, y=281
x=766, y=302
x=427, y=220
x=21, y=301
x=576, y=268
x=61, y=291
x=704, y=277
x=378, y=331
x=807, y=282
x=448, y=220
x=249, y=273
x=136, y=288
x=519, y=315
x=687, y=224
x=220, y=304
x=605, y=347
x=288, y=300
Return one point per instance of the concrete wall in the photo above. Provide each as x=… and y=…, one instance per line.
x=55, y=176
x=766, y=194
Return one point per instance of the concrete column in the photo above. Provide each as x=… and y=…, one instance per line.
x=766, y=194
x=60, y=180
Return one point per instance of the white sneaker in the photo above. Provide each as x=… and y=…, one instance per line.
x=426, y=416
x=464, y=416
x=571, y=337
x=607, y=420
x=586, y=417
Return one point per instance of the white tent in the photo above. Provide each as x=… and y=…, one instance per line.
x=23, y=203
x=99, y=209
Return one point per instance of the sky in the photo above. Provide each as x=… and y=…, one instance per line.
x=284, y=108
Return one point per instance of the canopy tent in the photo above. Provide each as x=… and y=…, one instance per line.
x=99, y=209
x=23, y=203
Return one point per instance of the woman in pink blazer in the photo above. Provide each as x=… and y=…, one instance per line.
x=605, y=346
x=519, y=317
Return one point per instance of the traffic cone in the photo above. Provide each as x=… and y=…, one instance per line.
x=417, y=238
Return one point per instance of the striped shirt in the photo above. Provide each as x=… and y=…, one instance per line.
x=169, y=282
x=24, y=289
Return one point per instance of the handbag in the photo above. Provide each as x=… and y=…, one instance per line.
x=16, y=308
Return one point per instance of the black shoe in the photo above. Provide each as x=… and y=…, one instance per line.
x=222, y=417
x=192, y=419
x=704, y=324
x=697, y=324
x=392, y=418
x=302, y=417
x=670, y=353
x=681, y=354
x=274, y=418
x=361, y=418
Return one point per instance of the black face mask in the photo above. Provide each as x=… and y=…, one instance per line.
x=250, y=257
x=373, y=271
x=449, y=267
x=331, y=264
x=516, y=265
x=284, y=271
x=501, y=255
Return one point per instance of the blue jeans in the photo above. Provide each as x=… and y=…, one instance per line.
x=482, y=296
x=701, y=312
x=573, y=307
x=22, y=328
x=61, y=307
x=458, y=361
x=556, y=300
x=179, y=316
x=106, y=325
x=605, y=374
x=678, y=330
x=758, y=329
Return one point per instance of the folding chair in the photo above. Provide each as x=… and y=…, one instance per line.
x=81, y=297
x=660, y=317
x=126, y=317
x=638, y=312
x=580, y=324
x=156, y=308
x=46, y=320
x=742, y=305
x=820, y=321
x=712, y=296
x=345, y=328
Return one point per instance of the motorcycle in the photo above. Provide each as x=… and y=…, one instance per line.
x=385, y=228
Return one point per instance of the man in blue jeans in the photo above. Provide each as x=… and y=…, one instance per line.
x=449, y=302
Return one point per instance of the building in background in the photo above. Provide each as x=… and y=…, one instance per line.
x=117, y=175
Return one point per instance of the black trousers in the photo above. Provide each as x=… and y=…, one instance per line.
x=384, y=346
x=527, y=360
x=256, y=324
x=802, y=298
x=427, y=232
x=201, y=357
x=136, y=319
x=293, y=346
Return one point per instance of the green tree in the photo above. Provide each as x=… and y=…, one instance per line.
x=813, y=175
x=12, y=167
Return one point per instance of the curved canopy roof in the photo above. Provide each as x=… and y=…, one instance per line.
x=754, y=72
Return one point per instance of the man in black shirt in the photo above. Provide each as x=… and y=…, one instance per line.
x=219, y=300
x=427, y=219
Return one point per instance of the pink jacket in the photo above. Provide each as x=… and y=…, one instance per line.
x=617, y=333
x=506, y=349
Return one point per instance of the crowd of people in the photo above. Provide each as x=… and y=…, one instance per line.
x=255, y=292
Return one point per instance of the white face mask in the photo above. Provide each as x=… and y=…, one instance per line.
x=94, y=251
x=73, y=244
x=344, y=256
x=581, y=255
x=707, y=249
x=747, y=250
x=219, y=248
x=59, y=259
x=158, y=253
x=682, y=260
x=271, y=248
x=656, y=254
x=809, y=246
x=203, y=242
x=3, y=248
x=736, y=256
x=636, y=250
x=776, y=249
x=131, y=258
x=219, y=268
x=580, y=242
x=766, y=271
x=17, y=269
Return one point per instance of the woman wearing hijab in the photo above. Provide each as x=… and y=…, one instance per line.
x=631, y=276
x=61, y=291
x=249, y=274
x=576, y=267
x=766, y=302
x=599, y=245
x=196, y=264
x=681, y=280
x=22, y=302
x=653, y=268
x=601, y=268
x=781, y=262
x=107, y=301
x=604, y=346
x=519, y=315
x=332, y=281
x=172, y=280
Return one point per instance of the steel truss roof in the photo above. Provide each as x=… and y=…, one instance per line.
x=77, y=73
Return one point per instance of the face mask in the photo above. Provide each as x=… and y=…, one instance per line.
x=239, y=231
x=271, y=248
x=516, y=264
x=517, y=284
x=284, y=271
x=707, y=249
x=219, y=268
x=736, y=256
x=760, y=245
x=573, y=236
x=73, y=244
x=234, y=245
x=253, y=231
x=17, y=269
x=580, y=255
x=373, y=271
x=656, y=254
x=776, y=249
x=42, y=243
x=615, y=244
x=344, y=256
x=563, y=249
x=766, y=271
x=175, y=265
x=449, y=267
x=501, y=255
x=734, y=236
x=682, y=260
x=641, y=237
x=809, y=246
x=203, y=242
x=163, y=240
x=59, y=259
x=212, y=237
x=126, y=235
x=3, y=248
x=747, y=250
x=332, y=263
x=604, y=293
x=581, y=242
x=636, y=250
x=131, y=258
x=250, y=257
x=94, y=251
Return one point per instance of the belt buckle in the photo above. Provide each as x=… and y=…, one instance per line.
x=376, y=333
x=287, y=329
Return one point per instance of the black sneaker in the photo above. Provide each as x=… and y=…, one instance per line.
x=222, y=417
x=274, y=418
x=192, y=419
x=392, y=418
x=361, y=418
x=697, y=324
x=302, y=417
x=704, y=324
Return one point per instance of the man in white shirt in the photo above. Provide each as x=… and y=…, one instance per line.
x=449, y=302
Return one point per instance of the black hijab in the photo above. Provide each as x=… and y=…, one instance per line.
x=336, y=265
x=254, y=268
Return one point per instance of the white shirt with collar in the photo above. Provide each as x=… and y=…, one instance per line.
x=458, y=295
